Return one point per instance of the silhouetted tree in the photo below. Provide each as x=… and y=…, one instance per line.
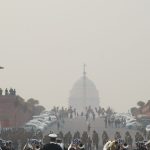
x=140, y=103
x=134, y=111
x=32, y=101
x=38, y=109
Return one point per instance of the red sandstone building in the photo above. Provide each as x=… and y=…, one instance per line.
x=13, y=112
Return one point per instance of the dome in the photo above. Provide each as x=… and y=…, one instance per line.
x=84, y=94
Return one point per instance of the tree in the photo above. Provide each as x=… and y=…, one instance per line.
x=140, y=104
x=19, y=101
x=134, y=111
x=38, y=109
x=32, y=101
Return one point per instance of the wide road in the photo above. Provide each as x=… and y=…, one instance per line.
x=80, y=124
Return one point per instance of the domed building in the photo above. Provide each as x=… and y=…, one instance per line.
x=84, y=94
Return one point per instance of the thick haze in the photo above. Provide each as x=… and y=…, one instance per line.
x=43, y=45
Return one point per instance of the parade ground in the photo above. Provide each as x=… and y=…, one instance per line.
x=80, y=124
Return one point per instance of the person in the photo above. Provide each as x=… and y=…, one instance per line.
x=128, y=139
x=89, y=127
x=59, y=142
x=76, y=135
x=74, y=144
x=1, y=91
x=138, y=137
x=9, y=145
x=72, y=147
x=125, y=146
x=105, y=137
x=6, y=91
x=81, y=146
x=105, y=120
x=106, y=146
x=95, y=139
x=89, y=143
x=58, y=125
x=144, y=133
x=113, y=145
x=52, y=145
x=117, y=135
x=33, y=144
x=61, y=135
x=147, y=144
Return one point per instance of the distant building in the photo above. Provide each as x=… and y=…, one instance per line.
x=13, y=113
x=84, y=94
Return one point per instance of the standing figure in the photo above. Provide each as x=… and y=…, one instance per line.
x=105, y=122
x=84, y=138
x=128, y=139
x=117, y=135
x=89, y=143
x=89, y=127
x=95, y=139
x=52, y=145
x=6, y=91
x=58, y=125
x=1, y=91
x=105, y=137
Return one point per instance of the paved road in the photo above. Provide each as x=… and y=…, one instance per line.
x=80, y=124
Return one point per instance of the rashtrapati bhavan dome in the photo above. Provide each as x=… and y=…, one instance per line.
x=84, y=94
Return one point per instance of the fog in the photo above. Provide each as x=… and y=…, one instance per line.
x=44, y=44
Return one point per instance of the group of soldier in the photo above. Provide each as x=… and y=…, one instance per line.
x=93, y=141
x=127, y=143
x=88, y=140
x=70, y=112
x=54, y=143
x=114, y=122
x=17, y=138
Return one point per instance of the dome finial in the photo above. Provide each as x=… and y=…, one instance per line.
x=84, y=72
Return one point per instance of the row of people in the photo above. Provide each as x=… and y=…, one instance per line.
x=19, y=137
x=72, y=112
x=10, y=92
x=94, y=140
x=114, y=122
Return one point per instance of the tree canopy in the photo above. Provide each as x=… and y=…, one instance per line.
x=140, y=103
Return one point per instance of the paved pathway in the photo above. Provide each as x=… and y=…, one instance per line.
x=81, y=124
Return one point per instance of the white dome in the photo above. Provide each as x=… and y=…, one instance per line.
x=84, y=94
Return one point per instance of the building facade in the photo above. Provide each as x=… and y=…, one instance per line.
x=13, y=113
x=84, y=94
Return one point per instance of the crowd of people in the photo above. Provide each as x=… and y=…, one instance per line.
x=70, y=112
x=114, y=122
x=20, y=139
x=16, y=139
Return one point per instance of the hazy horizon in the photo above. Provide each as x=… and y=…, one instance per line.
x=44, y=44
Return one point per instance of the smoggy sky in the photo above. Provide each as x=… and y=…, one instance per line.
x=43, y=45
